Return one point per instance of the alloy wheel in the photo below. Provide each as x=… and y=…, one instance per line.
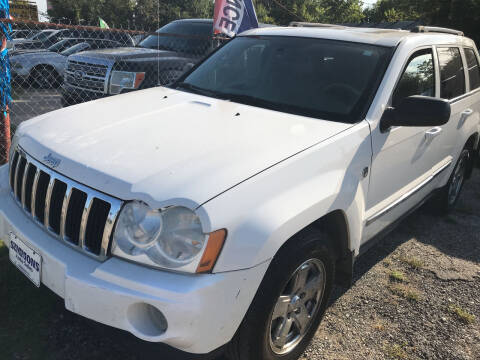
x=297, y=306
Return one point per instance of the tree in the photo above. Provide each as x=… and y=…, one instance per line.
x=458, y=14
x=116, y=13
x=151, y=14
x=282, y=12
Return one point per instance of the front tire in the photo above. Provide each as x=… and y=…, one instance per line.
x=289, y=303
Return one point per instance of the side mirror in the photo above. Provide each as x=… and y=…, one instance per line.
x=417, y=111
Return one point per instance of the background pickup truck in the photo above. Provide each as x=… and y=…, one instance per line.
x=157, y=60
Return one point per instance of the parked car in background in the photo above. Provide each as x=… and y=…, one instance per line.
x=45, y=69
x=23, y=34
x=220, y=212
x=156, y=60
x=42, y=39
x=47, y=38
x=59, y=46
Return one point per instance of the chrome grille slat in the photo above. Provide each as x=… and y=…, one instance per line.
x=57, y=210
x=48, y=198
x=63, y=218
x=83, y=224
x=107, y=233
x=24, y=181
x=34, y=191
x=15, y=178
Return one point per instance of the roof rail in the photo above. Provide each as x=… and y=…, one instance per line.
x=435, y=29
x=309, y=24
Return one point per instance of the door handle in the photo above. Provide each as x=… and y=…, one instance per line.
x=430, y=134
x=467, y=113
x=464, y=116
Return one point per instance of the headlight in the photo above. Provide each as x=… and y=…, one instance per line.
x=171, y=238
x=120, y=80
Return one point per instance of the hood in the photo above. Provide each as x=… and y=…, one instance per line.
x=127, y=53
x=33, y=54
x=162, y=145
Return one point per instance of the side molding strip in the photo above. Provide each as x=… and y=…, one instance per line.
x=407, y=195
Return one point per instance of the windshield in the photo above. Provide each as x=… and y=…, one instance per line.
x=75, y=48
x=181, y=44
x=43, y=35
x=327, y=79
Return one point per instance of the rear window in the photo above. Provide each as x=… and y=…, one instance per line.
x=473, y=69
x=452, y=73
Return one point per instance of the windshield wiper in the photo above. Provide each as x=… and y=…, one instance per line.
x=195, y=89
x=254, y=101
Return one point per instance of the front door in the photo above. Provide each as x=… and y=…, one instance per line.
x=404, y=158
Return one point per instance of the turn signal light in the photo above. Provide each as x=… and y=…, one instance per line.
x=214, y=247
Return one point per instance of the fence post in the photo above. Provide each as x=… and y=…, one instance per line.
x=4, y=123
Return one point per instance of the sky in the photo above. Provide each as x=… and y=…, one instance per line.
x=367, y=3
x=42, y=8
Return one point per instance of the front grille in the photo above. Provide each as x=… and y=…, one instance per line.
x=77, y=215
x=86, y=76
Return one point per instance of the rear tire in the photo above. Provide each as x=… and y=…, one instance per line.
x=447, y=197
x=289, y=303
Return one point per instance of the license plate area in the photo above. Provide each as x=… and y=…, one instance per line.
x=27, y=260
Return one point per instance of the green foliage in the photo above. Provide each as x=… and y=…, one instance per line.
x=282, y=12
x=151, y=14
x=457, y=14
x=142, y=14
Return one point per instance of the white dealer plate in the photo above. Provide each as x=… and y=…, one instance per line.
x=25, y=259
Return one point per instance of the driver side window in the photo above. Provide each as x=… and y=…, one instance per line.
x=417, y=79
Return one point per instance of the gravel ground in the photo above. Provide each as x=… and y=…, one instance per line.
x=415, y=296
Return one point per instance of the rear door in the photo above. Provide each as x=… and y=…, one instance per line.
x=470, y=117
x=460, y=81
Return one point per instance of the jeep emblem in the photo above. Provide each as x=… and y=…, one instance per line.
x=51, y=161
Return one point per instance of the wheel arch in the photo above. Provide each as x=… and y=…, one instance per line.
x=43, y=66
x=335, y=225
x=52, y=68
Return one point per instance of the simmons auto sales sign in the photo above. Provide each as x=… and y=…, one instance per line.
x=234, y=16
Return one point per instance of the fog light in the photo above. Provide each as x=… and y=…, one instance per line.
x=146, y=320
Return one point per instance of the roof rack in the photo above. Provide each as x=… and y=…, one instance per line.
x=309, y=24
x=435, y=29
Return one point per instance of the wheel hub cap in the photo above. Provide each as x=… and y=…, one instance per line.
x=296, y=307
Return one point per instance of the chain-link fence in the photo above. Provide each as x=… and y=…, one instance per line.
x=55, y=65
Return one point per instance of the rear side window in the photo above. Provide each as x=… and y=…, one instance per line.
x=417, y=79
x=452, y=74
x=473, y=69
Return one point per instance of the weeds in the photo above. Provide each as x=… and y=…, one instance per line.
x=463, y=315
x=405, y=292
x=413, y=262
x=396, y=275
x=396, y=351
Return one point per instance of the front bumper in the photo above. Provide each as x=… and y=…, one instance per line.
x=203, y=311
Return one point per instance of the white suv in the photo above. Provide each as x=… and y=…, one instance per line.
x=223, y=210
